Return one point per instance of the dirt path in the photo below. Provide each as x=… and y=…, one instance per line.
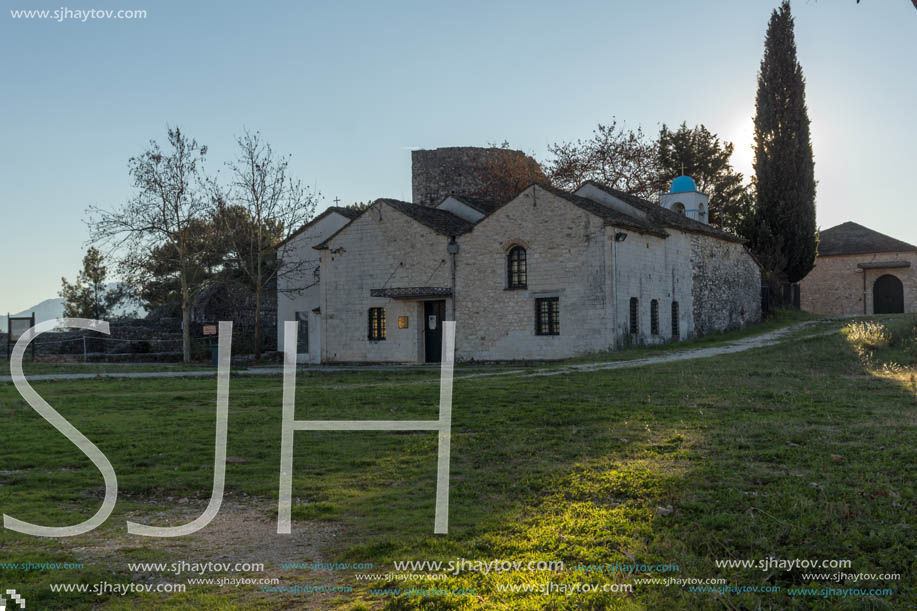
x=241, y=537
x=740, y=345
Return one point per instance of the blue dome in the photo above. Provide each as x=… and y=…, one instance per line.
x=683, y=184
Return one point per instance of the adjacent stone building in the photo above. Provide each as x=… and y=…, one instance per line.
x=860, y=271
x=548, y=274
x=298, y=287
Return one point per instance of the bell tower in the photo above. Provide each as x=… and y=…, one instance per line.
x=685, y=199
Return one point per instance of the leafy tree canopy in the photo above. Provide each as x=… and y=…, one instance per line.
x=700, y=154
x=90, y=295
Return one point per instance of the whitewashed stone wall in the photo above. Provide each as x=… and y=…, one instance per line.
x=382, y=248
x=650, y=267
x=300, y=249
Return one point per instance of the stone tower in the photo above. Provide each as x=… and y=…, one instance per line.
x=497, y=174
x=684, y=198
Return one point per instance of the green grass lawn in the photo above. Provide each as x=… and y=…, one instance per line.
x=806, y=450
x=42, y=365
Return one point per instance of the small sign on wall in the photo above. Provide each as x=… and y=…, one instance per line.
x=210, y=329
x=402, y=322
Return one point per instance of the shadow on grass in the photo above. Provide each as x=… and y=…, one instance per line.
x=788, y=452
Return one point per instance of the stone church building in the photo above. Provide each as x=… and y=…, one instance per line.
x=548, y=274
x=860, y=271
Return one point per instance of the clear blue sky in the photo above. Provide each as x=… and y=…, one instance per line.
x=349, y=87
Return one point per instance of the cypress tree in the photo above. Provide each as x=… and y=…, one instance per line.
x=784, y=236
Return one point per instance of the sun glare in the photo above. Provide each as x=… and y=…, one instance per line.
x=741, y=134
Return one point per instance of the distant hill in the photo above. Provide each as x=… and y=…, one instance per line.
x=49, y=309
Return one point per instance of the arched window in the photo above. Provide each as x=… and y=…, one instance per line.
x=701, y=213
x=634, y=315
x=654, y=317
x=516, y=277
x=678, y=208
x=675, y=327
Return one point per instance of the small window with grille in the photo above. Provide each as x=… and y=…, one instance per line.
x=676, y=331
x=634, y=315
x=654, y=317
x=547, y=316
x=376, y=324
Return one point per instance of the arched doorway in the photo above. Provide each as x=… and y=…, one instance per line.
x=887, y=295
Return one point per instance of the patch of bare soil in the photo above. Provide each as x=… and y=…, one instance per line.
x=243, y=532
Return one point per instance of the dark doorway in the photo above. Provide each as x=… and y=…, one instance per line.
x=434, y=312
x=302, y=337
x=888, y=295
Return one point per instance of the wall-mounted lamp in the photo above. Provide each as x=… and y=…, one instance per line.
x=620, y=236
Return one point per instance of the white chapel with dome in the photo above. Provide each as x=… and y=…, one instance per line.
x=684, y=198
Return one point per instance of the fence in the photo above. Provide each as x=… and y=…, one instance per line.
x=787, y=296
x=138, y=341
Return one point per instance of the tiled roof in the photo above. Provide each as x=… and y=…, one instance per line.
x=664, y=217
x=440, y=221
x=350, y=213
x=610, y=215
x=446, y=223
x=853, y=239
x=484, y=206
x=884, y=264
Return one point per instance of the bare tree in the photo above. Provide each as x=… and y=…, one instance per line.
x=163, y=216
x=621, y=158
x=257, y=211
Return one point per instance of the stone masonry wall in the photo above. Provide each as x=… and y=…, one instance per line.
x=236, y=303
x=380, y=249
x=467, y=171
x=835, y=285
x=565, y=257
x=726, y=285
x=129, y=340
